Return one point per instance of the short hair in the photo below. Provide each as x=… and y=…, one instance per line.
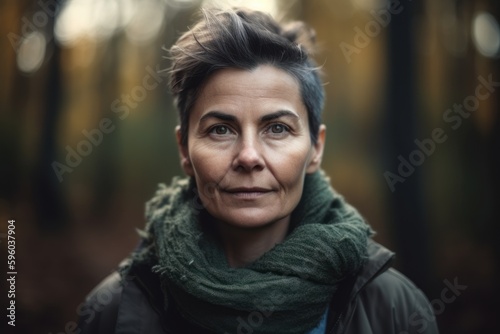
x=244, y=39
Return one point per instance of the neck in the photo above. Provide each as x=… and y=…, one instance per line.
x=243, y=246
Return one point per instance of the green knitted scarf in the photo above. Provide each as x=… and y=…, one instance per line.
x=286, y=290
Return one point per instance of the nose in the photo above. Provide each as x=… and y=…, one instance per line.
x=249, y=157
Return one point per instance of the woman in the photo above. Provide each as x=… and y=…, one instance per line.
x=254, y=240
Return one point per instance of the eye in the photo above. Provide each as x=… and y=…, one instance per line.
x=219, y=130
x=277, y=128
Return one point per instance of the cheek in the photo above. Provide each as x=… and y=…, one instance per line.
x=209, y=166
x=290, y=164
x=205, y=177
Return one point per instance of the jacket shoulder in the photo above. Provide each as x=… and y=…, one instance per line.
x=391, y=303
x=99, y=313
x=119, y=305
x=394, y=287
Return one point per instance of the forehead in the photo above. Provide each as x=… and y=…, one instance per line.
x=264, y=88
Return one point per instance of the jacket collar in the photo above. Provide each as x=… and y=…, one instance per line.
x=379, y=260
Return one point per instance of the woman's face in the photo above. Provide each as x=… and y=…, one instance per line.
x=249, y=146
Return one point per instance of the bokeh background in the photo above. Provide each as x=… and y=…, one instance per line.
x=68, y=68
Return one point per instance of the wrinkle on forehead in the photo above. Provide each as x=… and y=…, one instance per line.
x=228, y=87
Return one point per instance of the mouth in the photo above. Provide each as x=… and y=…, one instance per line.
x=248, y=192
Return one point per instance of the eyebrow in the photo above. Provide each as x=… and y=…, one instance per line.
x=278, y=114
x=230, y=118
x=219, y=115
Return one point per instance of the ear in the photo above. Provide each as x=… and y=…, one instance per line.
x=317, y=151
x=186, y=165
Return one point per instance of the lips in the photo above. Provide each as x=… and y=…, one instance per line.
x=248, y=192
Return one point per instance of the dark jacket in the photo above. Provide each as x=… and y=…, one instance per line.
x=378, y=300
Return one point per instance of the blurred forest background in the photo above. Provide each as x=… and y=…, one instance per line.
x=87, y=133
